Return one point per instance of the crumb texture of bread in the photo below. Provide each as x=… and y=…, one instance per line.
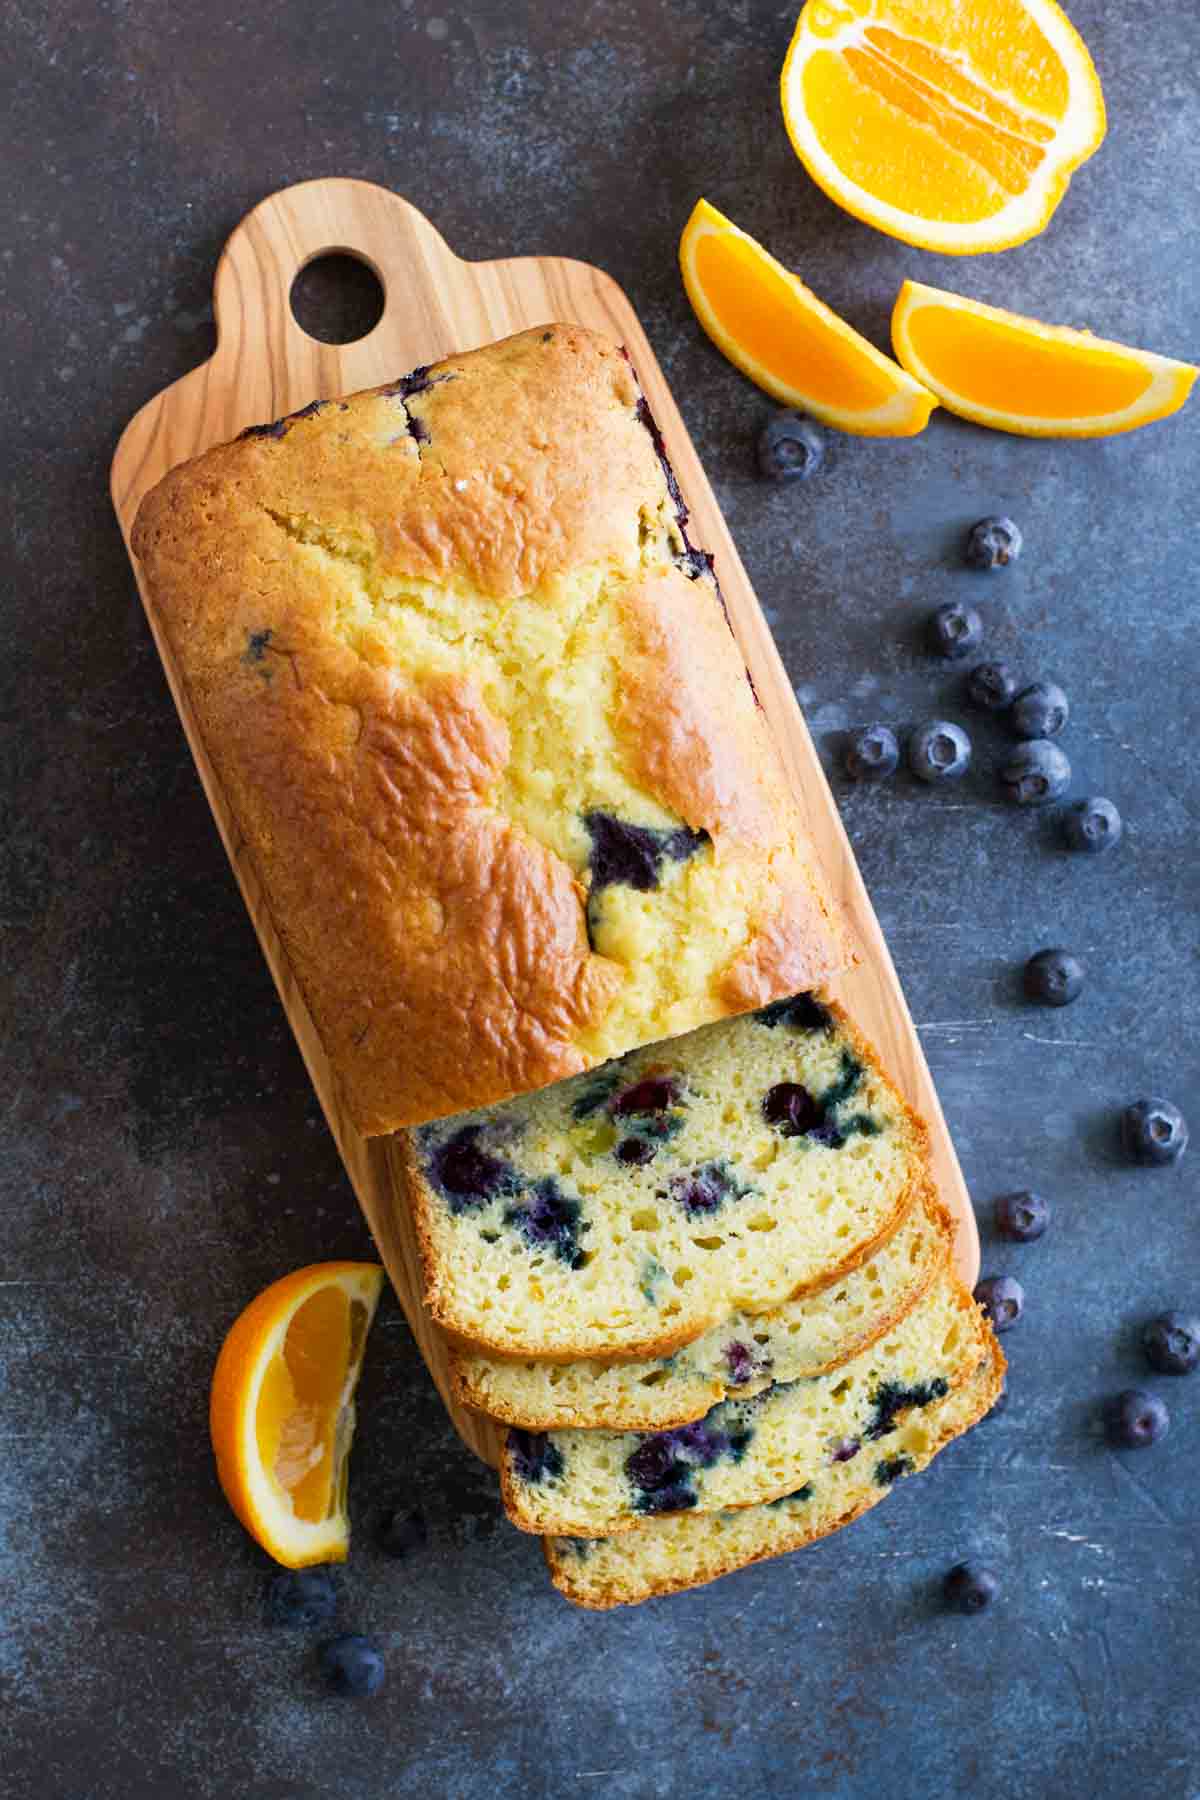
x=628, y=1211
x=741, y=1356
x=667, y=1556
x=745, y=1452
x=485, y=732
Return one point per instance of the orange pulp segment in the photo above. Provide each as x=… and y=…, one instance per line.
x=1017, y=374
x=776, y=330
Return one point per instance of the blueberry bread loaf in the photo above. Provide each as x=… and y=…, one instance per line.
x=626, y=1212
x=598, y=1483
x=488, y=741
x=664, y=1556
x=740, y=1356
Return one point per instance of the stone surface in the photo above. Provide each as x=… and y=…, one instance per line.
x=161, y=1156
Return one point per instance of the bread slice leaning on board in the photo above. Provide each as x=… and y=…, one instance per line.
x=666, y=1556
x=599, y=1483
x=739, y=1357
x=628, y=1211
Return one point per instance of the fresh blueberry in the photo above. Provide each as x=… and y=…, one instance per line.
x=970, y=1587
x=790, y=448
x=1092, y=825
x=991, y=685
x=305, y=1598
x=402, y=1532
x=992, y=543
x=844, y=1449
x=1172, y=1343
x=939, y=751
x=653, y=1094
x=1054, y=977
x=1134, y=1420
x=1002, y=1299
x=791, y=1108
x=1154, y=1132
x=955, y=630
x=1022, y=1217
x=352, y=1665
x=1034, y=773
x=872, y=754
x=636, y=1151
x=1040, y=710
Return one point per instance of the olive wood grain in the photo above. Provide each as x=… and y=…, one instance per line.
x=436, y=304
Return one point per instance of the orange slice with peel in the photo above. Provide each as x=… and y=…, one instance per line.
x=776, y=331
x=281, y=1410
x=1016, y=374
x=954, y=127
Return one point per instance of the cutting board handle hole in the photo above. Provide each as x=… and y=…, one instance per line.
x=337, y=297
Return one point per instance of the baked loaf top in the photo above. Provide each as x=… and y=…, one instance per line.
x=597, y=1483
x=739, y=1357
x=665, y=1556
x=483, y=727
x=627, y=1211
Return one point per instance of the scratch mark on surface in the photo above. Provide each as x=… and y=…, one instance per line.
x=958, y=1025
x=1061, y=1043
x=1139, y=1487
x=1074, y=1537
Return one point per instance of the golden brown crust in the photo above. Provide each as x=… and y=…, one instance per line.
x=686, y=725
x=792, y=1535
x=441, y=950
x=494, y=1406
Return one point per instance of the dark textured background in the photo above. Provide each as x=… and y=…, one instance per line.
x=162, y=1158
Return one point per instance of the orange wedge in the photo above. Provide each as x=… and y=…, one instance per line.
x=1016, y=374
x=776, y=331
x=282, y=1408
x=953, y=126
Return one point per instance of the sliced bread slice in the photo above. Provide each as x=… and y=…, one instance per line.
x=743, y=1355
x=627, y=1211
x=665, y=1556
x=597, y=1483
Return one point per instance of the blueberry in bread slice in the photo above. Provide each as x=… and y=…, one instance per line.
x=742, y=1355
x=744, y=1452
x=665, y=1556
x=626, y=1212
x=488, y=741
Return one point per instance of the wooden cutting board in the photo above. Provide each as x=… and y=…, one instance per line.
x=435, y=305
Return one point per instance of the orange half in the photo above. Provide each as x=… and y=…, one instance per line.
x=776, y=331
x=1016, y=374
x=281, y=1409
x=953, y=126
